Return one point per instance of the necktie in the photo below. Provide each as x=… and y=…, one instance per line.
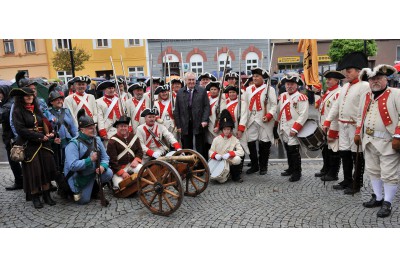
x=190, y=97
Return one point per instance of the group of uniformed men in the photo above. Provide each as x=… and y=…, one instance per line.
x=132, y=125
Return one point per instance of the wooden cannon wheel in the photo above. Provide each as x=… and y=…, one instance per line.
x=160, y=187
x=198, y=174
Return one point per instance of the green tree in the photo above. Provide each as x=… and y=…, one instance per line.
x=341, y=47
x=62, y=60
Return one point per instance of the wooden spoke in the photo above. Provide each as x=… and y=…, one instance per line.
x=152, y=175
x=148, y=190
x=194, y=185
x=147, y=181
x=159, y=203
x=198, y=178
x=152, y=199
x=166, y=175
x=168, y=201
x=198, y=171
x=169, y=184
x=171, y=193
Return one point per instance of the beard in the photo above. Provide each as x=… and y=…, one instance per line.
x=376, y=87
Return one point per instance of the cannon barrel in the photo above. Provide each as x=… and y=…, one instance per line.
x=189, y=159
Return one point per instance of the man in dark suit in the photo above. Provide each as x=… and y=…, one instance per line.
x=191, y=113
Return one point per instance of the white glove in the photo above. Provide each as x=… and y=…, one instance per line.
x=179, y=149
x=226, y=156
x=156, y=154
x=218, y=157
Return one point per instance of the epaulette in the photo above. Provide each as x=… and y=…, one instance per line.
x=302, y=97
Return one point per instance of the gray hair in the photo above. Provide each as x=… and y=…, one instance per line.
x=190, y=73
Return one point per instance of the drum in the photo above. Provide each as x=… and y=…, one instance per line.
x=311, y=136
x=219, y=170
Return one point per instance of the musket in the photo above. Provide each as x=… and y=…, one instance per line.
x=240, y=90
x=182, y=73
x=171, y=99
x=217, y=65
x=218, y=107
x=117, y=86
x=126, y=83
x=164, y=67
x=268, y=84
x=151, y=82
x=104, y=201
x=356, y=174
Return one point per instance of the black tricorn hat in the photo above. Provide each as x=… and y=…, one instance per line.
x=232, y=75
x=225, y=120
x=83, y=119
x=123, y=119
x=382, y=69
x=138, y=85
x=261, y=72
x=141, y=79
x=292, y=77
x=84, y=79
x=176, y=80
x=356, y=60
x=213, y=84
x=105, y=85
x=155, y=79
x=231, y=88
x=71, y=82
x=54, y=93
x=207, y=75
x=21, y=91
x=333, y=74
x=148, y=111
x=160, y=89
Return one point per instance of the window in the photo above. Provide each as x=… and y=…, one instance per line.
x=134, y=42
x=398, y=53
x=251, y=61
x=103, y=43
x=62, y=44
x=30, y=46
x=196, y=64
x=64, y=76
x=135, y=71
x=8, y=46
x=221, y=61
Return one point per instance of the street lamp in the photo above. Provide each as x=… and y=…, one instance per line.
x=71, y=55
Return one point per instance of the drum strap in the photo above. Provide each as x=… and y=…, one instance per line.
x=127, y=147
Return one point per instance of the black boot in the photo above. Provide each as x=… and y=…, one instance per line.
x=358, y=175
x=385, y=210
x=47, y=198
x=372, y=203
x=296, y=163
x=36, y=201
x=347, y=163
x=263, y=157
x=235, y=174
x=288, y=171
x=241, y=165
x=325, y=166
x=253, y=157
x=334, y=167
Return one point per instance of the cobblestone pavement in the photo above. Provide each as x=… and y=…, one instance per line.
x=259, y=202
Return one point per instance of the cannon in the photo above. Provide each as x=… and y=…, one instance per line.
x=162, y=183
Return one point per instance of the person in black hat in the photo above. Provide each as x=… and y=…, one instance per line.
x=80, y=99
x=70, y=88
x=232, y=78
x=227, y=147
x=108, y=110
x=125, y=152
x=152, y=134
x=346, y=110
x=293, y=113
x=176, y=84
x=164, y=106
x=261, y=120
x=64, y=129
x=378, y=132
x=139, y=102
x=123, y=89
x=213, y=95
x=34, y=132
x=205, y=78
x=330, y=154
x=80, y=168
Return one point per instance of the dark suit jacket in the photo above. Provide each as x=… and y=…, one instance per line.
x=200, y=109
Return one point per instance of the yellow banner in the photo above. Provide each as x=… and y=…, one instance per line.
x=310, y=60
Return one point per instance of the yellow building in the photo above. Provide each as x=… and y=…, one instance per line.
x=23, y=54
x=133, y=52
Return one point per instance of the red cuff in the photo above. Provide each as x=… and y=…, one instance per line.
x=358, y=130
x=317, y=103
x=103, y=132
x=120, y=172
x=333, y=134
x=130, y=129
x=241, y=128
x=138, y=159
x=232, y=153
x=150, y=153
x=297, y=126
x=397, y=131
x=176, y=145
x=327, y=123
x=213, y=155
x=269, y=116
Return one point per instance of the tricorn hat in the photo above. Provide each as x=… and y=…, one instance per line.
x=382, y=69
x=176, y=80
x=333, y=74
x=207, y=75
x=231, y=88
x=84, y=79
x=141, y=79
x=148, y=111
x=54, y=93
x=105, y=85
x=232, y=75
x=292, y=77
x=71, y=82
x=213, y=84
x=83, y=119
x=21, y=91
x=138, y=85
x=261, y=72
x=155, y=79
x=356, y=60
x=123, y=119
x=160, y=89
x=225, y=120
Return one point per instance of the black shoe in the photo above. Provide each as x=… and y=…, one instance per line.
x=249, y=164
x=238, y=181
x=36, y=202
x=320, y=174
x=53, y=188
x=350, y=191
x=339, y=187
x=295, y=177
x=251, y=170
x=385, y=210
x=372, y=203
x=47, y=198
x=286, y=173
x=263, y=172
x=14, y=187
x=329, y=178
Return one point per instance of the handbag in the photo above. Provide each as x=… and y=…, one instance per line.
x=17, y=152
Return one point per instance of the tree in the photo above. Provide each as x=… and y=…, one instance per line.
x=62, y=60
x=341, y=47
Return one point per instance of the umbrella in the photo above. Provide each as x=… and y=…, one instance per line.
x=4, y=82
x=397, y=67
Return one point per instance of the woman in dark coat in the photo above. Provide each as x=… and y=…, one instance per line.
x=34, y=131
